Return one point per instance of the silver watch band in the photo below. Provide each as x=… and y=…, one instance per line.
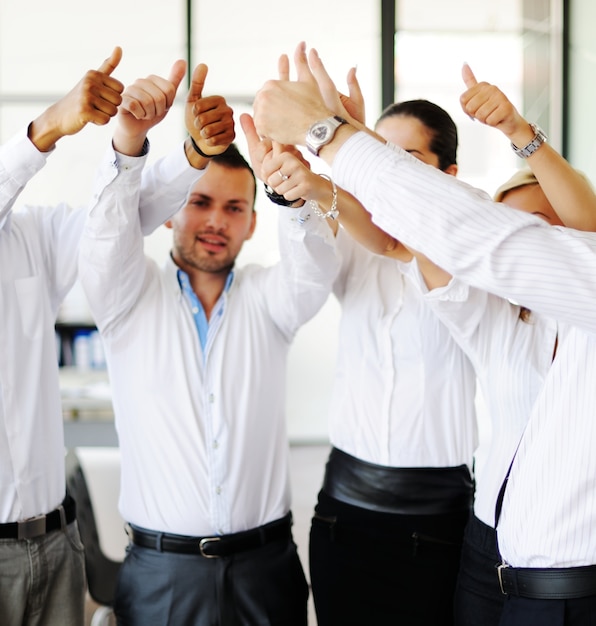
x=528, y=150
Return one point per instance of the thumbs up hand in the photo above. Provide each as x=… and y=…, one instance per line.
x=489, y=105
x=144, y=104
x=209, y=120
x=94, y=99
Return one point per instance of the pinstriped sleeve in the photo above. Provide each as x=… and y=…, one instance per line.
x=548, y=269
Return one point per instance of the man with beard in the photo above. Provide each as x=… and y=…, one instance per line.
x=197, y=352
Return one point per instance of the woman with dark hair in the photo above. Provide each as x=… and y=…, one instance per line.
x=398, y=486
x=511, y=347
x=428, y=120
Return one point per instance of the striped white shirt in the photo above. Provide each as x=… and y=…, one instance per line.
x=549, y=511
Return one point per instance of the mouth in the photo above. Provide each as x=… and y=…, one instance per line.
x=212, y=243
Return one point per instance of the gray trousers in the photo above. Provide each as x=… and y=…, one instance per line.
x=264, y=587
x=42, y=580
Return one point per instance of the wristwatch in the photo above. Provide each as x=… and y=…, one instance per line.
x=322, y=132
x=539, y=138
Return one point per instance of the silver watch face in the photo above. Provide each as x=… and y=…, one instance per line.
x=319, y=132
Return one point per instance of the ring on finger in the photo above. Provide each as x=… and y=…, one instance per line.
x=282, y=175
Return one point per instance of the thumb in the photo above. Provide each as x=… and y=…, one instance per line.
x=248, y=126
x=177, y=72
x=197, y=82
x=468, y=75
x=111, y=63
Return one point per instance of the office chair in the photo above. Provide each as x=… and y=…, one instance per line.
x=101, y=570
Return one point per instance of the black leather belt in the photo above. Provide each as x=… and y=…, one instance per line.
x=548, y=583
x=218, y=545
x=398, y=490
x=41, y=524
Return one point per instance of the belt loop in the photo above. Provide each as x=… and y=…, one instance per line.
x=62, y=514
x=159, y=542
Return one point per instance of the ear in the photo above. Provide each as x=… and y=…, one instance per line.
x=451, y=170
x=253, y=225
x=168, y=224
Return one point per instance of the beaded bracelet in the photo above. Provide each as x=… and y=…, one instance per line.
x=333, y=211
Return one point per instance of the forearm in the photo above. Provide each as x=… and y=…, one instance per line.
x=569, y=193
x=358, y=222
x=309, y=264
x=165, y=187
x=485, y=244
x=433, y=275
x=111, y=259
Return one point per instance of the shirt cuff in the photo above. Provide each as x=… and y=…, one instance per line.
x=453, y=291
x=20, y=159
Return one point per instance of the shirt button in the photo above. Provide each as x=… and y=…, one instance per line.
x=211, y=398
x=218, y=490
x=195, y=310
x=215, y=444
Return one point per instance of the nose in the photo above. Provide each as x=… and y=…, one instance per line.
x=217, y=219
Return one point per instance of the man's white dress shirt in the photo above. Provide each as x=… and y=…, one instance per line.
x=403, y=393
x=202, y=435
x=549, y=511
x=38, y=266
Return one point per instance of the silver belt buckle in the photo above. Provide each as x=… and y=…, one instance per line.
x=500, y=569
x=32, y=527
x=206, y=540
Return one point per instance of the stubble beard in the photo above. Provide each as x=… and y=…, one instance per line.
x=203, y=262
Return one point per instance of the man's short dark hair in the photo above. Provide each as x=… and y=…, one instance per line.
x=232, y=158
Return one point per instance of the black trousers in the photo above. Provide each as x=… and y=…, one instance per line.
x=478, y=597
x=529, y=612
x=264, y=586
x=376, y=568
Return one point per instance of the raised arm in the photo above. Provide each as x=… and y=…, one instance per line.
x=458, y=227
x=289, y=175
x=569, y=193
x=94, y=99
x=209, y=122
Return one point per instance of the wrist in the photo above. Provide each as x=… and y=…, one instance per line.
x=44, y=138
x=127, y=143
x=136, y=148
x=521, y=135
x=193, y=157
x=197, y=149
x=343, y=133
x=525, y=149
x=278, y=198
